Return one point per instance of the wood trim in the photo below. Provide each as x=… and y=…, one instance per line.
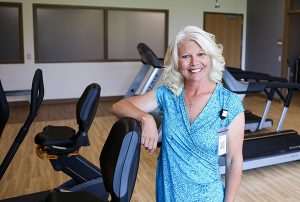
x=65, y=101
x=284, y=69
x=293, y=11
x=70, y=100
x=289, y=11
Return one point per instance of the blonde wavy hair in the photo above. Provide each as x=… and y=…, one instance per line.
x=172, y=78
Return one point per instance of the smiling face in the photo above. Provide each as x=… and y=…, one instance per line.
x=193, y=63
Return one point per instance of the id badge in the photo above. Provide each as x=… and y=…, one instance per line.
x=222, y=142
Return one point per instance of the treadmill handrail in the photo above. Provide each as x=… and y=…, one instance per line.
x=241, y=87
x=250, y=87
x=286, y=85
x=148, y=56
x=258, y=76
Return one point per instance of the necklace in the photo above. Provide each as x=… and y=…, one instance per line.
x=190, y=104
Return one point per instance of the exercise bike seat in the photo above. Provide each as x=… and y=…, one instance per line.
x=60, y=140
x=119, y=161
x=62, y=136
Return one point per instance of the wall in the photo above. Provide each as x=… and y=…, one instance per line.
x=265, y=26
x=67, y=80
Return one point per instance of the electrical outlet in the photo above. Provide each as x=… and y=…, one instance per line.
x=28, y=56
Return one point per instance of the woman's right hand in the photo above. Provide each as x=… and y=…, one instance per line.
x=149, y=133
x=138, y=107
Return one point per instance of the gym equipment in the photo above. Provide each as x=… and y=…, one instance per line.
x=119, y=157
x=242, y=75
x=4, y=109
x=253, y=121
x=264, y=149
x=119, y=162
x=149, y=59
x=37, y=96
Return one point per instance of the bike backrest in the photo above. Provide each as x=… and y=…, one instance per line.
x=87, y=106
x=119, y=159
x=4, y=109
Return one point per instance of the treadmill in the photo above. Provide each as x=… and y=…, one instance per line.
x=147, y=77
x=265, y=149
x=253, y=121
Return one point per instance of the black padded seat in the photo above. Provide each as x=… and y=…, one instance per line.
x=62, y=136
x=64, y=140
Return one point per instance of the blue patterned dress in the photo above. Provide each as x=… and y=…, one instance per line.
x=187, y=168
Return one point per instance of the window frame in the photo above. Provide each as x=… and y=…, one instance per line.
x=105, y=31
x=20, y=59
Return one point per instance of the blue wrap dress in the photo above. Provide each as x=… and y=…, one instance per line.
x=187, y=168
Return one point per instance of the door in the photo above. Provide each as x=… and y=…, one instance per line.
x=228, y=29
x=291, y=48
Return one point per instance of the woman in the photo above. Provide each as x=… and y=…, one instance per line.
x=197, y=112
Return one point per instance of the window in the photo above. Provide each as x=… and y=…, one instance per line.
x=68, y=34
x=90, y=34
x=11, y=33
x=128, y=28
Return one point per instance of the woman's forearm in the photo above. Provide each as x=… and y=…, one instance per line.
x=136, y=107
x=124, y=108
x=233, y=178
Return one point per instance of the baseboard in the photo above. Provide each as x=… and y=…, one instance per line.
x=64, y=101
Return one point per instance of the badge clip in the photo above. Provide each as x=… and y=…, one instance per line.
x=223, y=113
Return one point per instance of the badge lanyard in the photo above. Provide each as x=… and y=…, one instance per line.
x=222, y=134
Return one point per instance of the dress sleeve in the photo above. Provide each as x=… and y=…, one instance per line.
x=159, y=95
x=234, y=106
